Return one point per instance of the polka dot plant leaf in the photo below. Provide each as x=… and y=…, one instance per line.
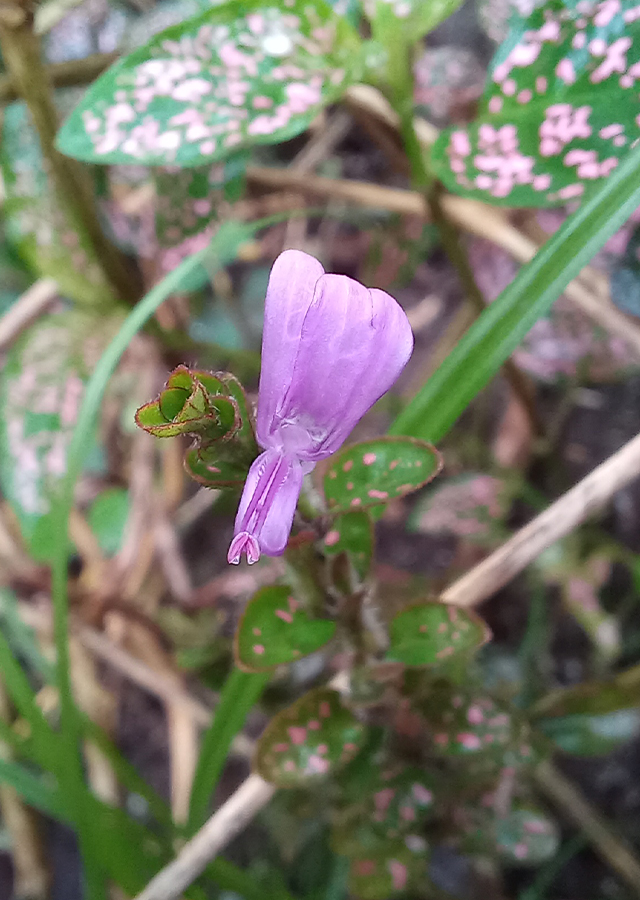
x=351, y=533
x=526, y=837
x=310, y=739
x=187, y=205
x=374, y=472
x=36, y=224
x=275, y=629
x=41, y=389
x=239, y=74
x=559, y=111
x=432, y=634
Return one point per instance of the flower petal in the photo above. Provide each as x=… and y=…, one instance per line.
x=354, y=343
x=289, y=295
x=267, y=506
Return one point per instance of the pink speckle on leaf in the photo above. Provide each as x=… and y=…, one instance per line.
x=369, y=458
x=399, y=874
x=284, y=615
x=347, y=466
x=298, y=734
x=258, y=649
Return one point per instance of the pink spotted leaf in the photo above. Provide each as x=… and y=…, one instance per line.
x=558, y=112
x=475, y=727
x=239, y=74
x=434, y=634
x=275, y=629
x=526, y=836
x=187, y=204
x=306, y=742
x=374, y=472
x=36, y=225
x=41, y=389
x=352, y=534
x=390, y=871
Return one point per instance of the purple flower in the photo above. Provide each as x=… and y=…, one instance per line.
x=330, y=349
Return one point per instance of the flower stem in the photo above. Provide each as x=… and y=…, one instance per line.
x=21, y=53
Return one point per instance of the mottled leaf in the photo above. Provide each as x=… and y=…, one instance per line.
x=35, y=222
x=351, y=533
x=41, y=389
x=559, y=109
x=526, y=836
x=470, y=506
x=239, y=74
x=401, y=803
x=432, y=634
x=393, y=870
x=308, y=740
x=276, y=628
x=469, y=726
x=375, y=472
x=187, y=204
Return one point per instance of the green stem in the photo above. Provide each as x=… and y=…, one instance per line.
x=21, y=53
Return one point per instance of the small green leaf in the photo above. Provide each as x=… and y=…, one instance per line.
x=108, y=516
x=188, y=406
x=275, y=629
x=207, y=466
x=472, y=726
x=402, y=803
x=392, y=870
x=307, y=741
x=526, y=837
x=432, y=634
x=374, y=472
x=239, y=74
x=351, y=533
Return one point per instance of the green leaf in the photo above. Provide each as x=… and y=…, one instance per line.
x=351, y=533
x=432, y=634
x=591, y=734
x=526, y=836
x=305, y=742
x=107, y=517
x=41, y=388
x=478, y=356
x=187, y=202
x=240, y=74
x=276, y=628
x=39, y=791
x=401, y=803
x=36, y=224
x=557, y=115
x=475, y=726
x=374, y=472
x=471, y=506
x=414, y=18
x=240, y=693
x=389, y=871
x=191, y=403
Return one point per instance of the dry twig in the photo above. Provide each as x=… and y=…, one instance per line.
x=27, y=307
